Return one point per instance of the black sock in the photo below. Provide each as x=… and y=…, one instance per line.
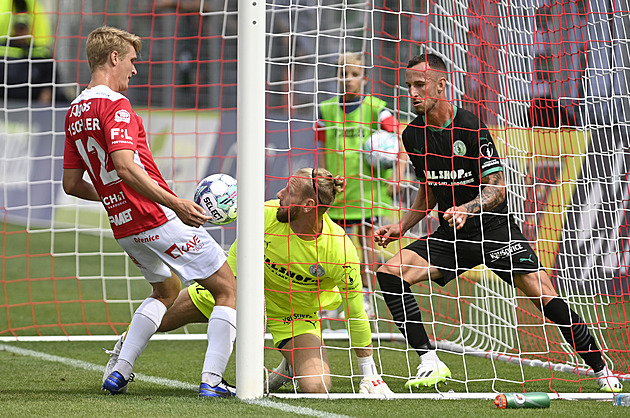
x=575, y=332
x=405, y=311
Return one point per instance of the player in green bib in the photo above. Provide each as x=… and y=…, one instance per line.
x=310, y=265
x=344, y=124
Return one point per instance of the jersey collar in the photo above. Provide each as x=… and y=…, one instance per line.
x=351, y=106
x=448, y=122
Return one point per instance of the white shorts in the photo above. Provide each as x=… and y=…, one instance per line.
x=189, y=252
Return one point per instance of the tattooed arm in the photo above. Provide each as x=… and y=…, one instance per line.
x=490, y=197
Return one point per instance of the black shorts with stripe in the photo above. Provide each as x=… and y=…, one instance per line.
x=503, y=249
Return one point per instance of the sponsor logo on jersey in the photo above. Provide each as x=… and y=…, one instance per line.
x=506, y=251
x=352, y=272
x=299, y=317
x=121, y=218
x=283, y=271
x=459, y=176
x=316, y=270
x=486, y=149
x=529, y=259
x=490, y=164
x=79, y=108
x=350, y=132
x=177, y=250
x=121, y=133
x=459, y=148
x=122, y=116
x=148, y=238
x=114, y=200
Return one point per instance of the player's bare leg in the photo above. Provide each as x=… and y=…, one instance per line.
x=414, y=269
x=182, y=312
x=222, y=285
x=309, y=362
x=537, y=286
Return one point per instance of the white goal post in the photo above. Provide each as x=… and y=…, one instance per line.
x=251, y=193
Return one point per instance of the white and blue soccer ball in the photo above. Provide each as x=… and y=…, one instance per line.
x=380, y=150
x=217, y=195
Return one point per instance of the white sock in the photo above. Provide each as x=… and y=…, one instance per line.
x=221, y=336
x=430, y=356
x=144, y=323
x=367, y=367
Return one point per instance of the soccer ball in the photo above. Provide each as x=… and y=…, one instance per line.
x=217, y=195
x=381, y=149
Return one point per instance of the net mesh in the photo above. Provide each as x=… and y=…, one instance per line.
x=550, y=79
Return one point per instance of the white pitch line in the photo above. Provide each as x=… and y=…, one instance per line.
x=94, y=367
x=293, y=409
x=267, y=403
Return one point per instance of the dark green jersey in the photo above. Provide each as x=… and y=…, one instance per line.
x=452, y=160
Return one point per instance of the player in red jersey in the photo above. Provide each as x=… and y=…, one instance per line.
x=160, y=232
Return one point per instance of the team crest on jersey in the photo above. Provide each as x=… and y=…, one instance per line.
x=316, y=270
x=459, y=148
x=122, y=116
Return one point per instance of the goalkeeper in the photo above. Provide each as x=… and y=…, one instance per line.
x=459, y=168
x=310, y=264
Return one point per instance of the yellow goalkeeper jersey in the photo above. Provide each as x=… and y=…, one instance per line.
x=304, y=276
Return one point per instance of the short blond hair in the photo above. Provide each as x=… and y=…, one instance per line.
x=350, y=58
x=104, y=40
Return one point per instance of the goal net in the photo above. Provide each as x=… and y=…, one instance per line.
x=550, y=79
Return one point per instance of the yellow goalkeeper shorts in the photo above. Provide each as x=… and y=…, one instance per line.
x=202, y=298
x=281, y=329
x=290, y=326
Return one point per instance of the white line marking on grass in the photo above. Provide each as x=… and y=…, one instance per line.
x=293, y=409
x=267, y=403
x=93, y=367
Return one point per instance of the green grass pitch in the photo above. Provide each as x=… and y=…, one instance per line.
x=40, y=294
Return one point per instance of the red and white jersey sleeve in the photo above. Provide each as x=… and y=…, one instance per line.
x=99, y=122
x=387, y=121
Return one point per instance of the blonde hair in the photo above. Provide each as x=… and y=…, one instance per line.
x=350, y=58
x=102, y=41
x=321, y=185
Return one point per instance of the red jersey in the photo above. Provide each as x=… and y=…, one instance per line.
x=99, y=122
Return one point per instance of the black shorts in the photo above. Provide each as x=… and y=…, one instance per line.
x=503, y=249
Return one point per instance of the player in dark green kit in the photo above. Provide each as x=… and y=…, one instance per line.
x=459, y=169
